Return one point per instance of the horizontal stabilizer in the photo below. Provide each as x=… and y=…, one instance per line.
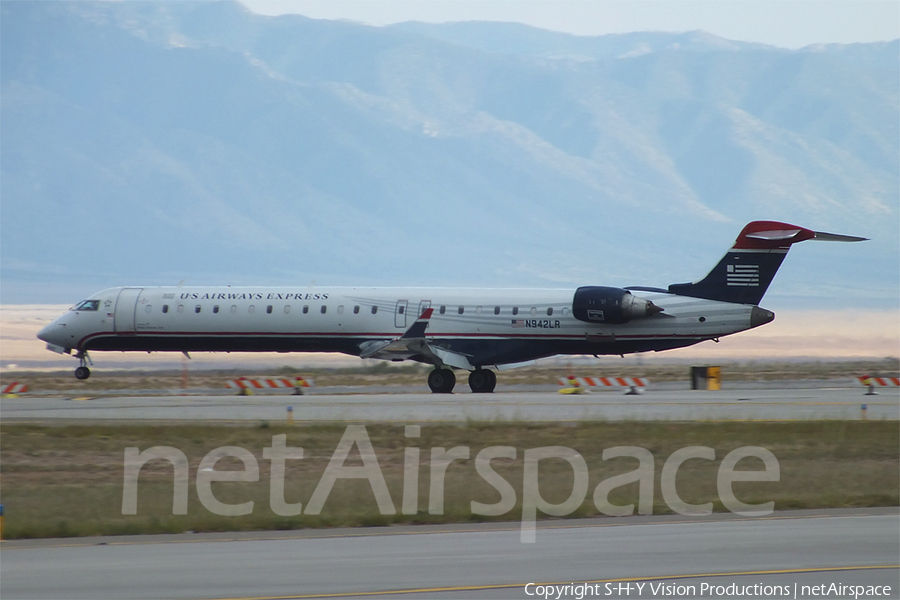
x=836, y=237
x=776, y=235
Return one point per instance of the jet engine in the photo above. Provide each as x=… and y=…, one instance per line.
x=609, y=305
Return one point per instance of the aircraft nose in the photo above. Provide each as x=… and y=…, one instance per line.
x=44, y=333
x=54, y=333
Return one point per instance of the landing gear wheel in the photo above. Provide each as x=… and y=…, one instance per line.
x=441, y=381
x=83, y=372
x=482, y=381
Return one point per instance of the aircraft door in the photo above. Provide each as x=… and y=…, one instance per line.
x=400, y=313
x=126, y=305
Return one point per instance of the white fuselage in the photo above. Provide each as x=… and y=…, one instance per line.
x=492, y=326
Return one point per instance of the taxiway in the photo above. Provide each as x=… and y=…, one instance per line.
x=786, y=549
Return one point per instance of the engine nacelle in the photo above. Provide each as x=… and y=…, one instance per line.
x=609, y=305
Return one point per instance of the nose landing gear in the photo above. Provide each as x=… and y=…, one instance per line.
x=83, y=372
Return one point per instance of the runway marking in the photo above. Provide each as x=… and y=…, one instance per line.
x=502, y=586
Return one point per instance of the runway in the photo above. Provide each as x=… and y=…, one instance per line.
x=786, y=549
x=781, y=552
x=787, y=401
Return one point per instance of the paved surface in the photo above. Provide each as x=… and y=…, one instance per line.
x=845, y=547
x=788, y=401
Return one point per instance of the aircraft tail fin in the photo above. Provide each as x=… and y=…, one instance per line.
x=745, y=272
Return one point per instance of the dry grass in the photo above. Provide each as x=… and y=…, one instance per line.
x=68, y=481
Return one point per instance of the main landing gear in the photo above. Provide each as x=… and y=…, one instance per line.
x=441, y=381
x=482, y=381
x=83, y=372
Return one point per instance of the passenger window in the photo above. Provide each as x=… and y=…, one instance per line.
x=324, y=309
x=515, y=310
x=496, y=310
x=341, y=309
x=443, y=310
x=252, y=309
x=374, y=310
x=477, y=310
x=549, y=311
x=181, y=308
x=216, y=309
x=565, y=312
x=400, y=309
x=462, y=309
x=233, y=308
x=355, y=310
x=287, y=309
x=306, y=310
x=197, y=308
x=269, y=309
x=147, y=309
x=165, y=308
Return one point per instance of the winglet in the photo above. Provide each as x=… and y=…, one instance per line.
x=418, y=328
x=413, y=344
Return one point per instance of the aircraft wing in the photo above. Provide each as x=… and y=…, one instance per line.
x=413, y=343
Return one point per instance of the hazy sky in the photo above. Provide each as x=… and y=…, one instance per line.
x=785, y=23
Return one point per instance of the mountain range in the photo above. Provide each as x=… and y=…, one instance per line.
x=147, y=143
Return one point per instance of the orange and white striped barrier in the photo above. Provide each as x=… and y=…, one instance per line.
x=13, y=388
x=246, y=385
x=635, y=385
x=872, y=382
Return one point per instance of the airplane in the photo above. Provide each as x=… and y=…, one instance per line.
x=474, y=330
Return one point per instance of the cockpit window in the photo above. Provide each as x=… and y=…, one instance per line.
x=88, y=305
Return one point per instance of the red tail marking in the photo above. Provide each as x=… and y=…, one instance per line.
x=768, y=235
